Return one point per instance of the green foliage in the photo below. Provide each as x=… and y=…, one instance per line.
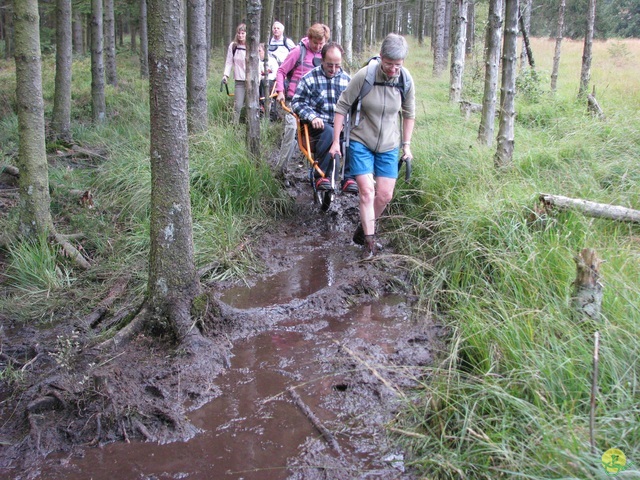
x=510, y=398
x=34, y=267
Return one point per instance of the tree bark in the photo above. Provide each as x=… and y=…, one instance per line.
x=110, y=43
x=197, y=106
x=525, y=27
x=458, y=53
x=78, y=33
x=438, y=38
x=492, y=63
x=34, y=203
x=471, y=28
x=337, y=21
x=507, y=120
x=98, y=102
x=348, y=31
x=61, y=120
x=173, y=281
x=252, y=94
x=556, y=54
x=585, y=72
x=587, y=289
x=144, y=41
x=591, y=209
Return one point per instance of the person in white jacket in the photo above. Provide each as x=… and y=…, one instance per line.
x=236, y=59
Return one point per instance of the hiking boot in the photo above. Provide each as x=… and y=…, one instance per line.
x=350, y=186
x=358, y=235
x=323, y=184
x=370, y=247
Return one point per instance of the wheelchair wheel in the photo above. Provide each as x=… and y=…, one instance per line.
x=327, y=198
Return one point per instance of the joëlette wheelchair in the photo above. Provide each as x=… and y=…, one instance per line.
x=326, y=196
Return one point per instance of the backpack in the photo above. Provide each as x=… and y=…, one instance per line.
x=234, y=48
x=403, y=85
x=303, y=53
x=273, y=48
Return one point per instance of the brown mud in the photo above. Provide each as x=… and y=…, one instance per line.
x=299, y=372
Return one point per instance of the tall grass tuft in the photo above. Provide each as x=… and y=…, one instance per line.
x=510, y=398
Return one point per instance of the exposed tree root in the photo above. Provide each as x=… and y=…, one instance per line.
x=71, y=251
x=94, y=318
x=126, y=334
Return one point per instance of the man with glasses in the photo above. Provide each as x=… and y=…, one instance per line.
x=314, y=102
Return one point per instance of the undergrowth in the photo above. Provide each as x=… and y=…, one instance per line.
x=510, y=398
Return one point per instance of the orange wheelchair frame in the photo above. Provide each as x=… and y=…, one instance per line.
x=323, y=197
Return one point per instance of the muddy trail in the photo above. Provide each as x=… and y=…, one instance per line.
x=298, y=374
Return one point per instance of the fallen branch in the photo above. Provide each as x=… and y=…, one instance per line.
x=143, y=431
x=72, y=252
x=371, y=369
x=94, y=318
x=328, y=436
x=591, y=209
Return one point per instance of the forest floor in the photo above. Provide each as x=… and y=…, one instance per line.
x=314, y=292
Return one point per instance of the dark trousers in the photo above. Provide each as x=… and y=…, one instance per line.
x=321, y=140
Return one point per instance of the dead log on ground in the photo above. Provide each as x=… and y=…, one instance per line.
x=467, y=108
x=587, y=289
x=328, y=436
x=591, y=209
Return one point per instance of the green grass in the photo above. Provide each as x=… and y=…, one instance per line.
x=510, y=395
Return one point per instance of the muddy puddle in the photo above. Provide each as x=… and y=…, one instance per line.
x=256, y=429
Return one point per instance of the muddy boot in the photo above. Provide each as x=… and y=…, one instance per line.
x=370, y=247
x=358, y=235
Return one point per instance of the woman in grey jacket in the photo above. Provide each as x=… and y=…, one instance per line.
x=376, y=133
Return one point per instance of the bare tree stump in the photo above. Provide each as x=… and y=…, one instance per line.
x=587, y=289
x=593, y=107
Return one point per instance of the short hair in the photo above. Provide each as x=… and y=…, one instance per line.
x=318, y=31
x=394, y=47
x=328, y=46
x=278, y=23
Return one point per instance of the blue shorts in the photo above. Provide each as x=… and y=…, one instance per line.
x=363, y=161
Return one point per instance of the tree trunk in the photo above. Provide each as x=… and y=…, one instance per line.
x=525, y=28
x=507, y=120
x=585, y=72
x=438, y=37
x=98, y=103
x=337, y=21
x=587, y=289
x=527, y=53
x=348, y=31
x=358, y=33
x=196, y=66
x=61, y=120
x=492, y=63
x=208, y=25
x=471, y=28
x=556, y=54
x=420, y=14
x=457, y=54
x=173, y=281
x=78, y=33
x=252, y=94
x=144, y=41
x=110, y=43
x=34, y=204
x=9, y=32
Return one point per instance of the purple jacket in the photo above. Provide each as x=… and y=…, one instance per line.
x=290, y=64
